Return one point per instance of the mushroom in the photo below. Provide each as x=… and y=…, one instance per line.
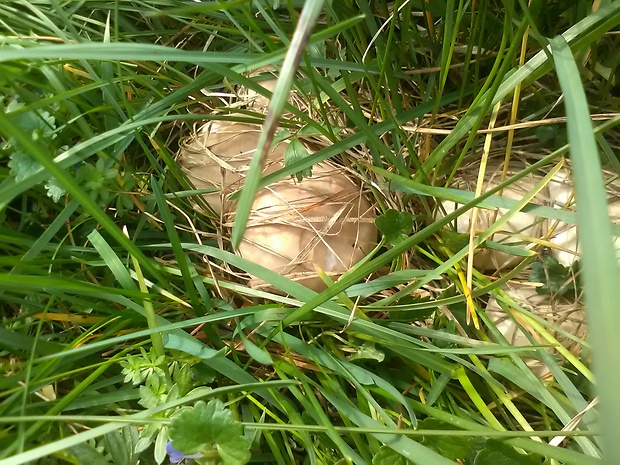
x=562, y=313
x=323, y=222
x=525, y=230
x=521, y=230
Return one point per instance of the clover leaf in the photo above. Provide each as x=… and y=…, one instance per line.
x=210, y=429
x=395, y=225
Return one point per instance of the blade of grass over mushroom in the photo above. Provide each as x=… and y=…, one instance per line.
x=600, y=266
x=307, y=20
x=356, y=274
x=403, y=184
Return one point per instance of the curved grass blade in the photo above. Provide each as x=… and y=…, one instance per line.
x=599, y=264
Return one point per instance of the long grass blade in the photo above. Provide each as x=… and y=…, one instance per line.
x=600, y=265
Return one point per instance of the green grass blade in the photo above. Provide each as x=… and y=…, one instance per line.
x=187, y=270
x=601, y=274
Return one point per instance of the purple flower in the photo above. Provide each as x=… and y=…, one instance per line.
x=177, y=456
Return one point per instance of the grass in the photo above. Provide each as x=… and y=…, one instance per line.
x=120, y=311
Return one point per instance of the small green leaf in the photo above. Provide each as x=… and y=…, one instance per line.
x=258, y=354
x=55, y=190
x=206, y=427
x=202, y=374
x=451, y=447
x=37, y=124
x=395, y=225
x=280, y=135
x=388, y=456
x=367, y=351
x=159, y=452
x=234, y=452
x=148, y=399
x=546, y=134
x=191, y=346
x=308, y=130
x=556, y=279
x=121, y=445
x=23, y=166
x=85, y=453
x=118, y=449
x=497, y=453
x=294, y=152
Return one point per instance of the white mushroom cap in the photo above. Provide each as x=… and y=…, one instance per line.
x=524, y=230
x=255, y=100
x=218, y=156
x=323, y=222
x=515, y=232
x=565, y=236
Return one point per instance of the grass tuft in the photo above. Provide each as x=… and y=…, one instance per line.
x=130, y=329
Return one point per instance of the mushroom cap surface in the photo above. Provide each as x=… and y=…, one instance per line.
x=325, y=221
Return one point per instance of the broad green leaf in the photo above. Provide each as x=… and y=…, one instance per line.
x=121, y=444
x=395, y=225
x=23, y=166
x=207, y=426
x=367, y=351
x=497, y=453
x=387, y=456
x=308, y=130
x=35, y=123
x=451, y=447
x=85, y=453
x=556, y=279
